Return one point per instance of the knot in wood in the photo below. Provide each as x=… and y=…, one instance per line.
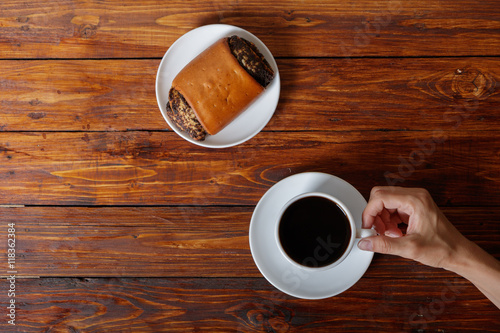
x=470, y=83
x=88, y=30
x=465, y=83
x=263, y=317
x=22, y=19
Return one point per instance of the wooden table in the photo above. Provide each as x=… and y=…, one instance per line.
x=123, y=226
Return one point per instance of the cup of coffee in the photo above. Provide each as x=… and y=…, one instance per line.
x=316, y=231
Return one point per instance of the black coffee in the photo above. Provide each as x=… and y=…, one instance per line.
x=314, y=231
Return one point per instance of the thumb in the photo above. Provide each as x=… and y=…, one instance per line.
x=382, y=244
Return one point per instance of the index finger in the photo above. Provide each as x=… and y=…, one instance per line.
x=388, y=197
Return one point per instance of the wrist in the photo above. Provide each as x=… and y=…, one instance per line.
x=469, y=259
x=463, y=257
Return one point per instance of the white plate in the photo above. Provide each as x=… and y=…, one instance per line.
x=276, y=268
x=185, y=49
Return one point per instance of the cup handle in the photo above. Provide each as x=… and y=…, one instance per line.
x=362, y=233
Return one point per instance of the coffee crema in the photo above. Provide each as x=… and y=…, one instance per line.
x=314, y=231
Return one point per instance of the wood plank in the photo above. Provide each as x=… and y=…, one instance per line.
x=179, y=242
x=155, y=168
x=316, y=94
x=88, y=95
x=246, y=305
x=96, y=29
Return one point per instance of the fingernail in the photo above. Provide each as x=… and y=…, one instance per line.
x=391, y=234
x=365, y=245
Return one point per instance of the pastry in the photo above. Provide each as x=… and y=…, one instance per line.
x=216, y=86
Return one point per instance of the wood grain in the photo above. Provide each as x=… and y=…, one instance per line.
x=122, y=226
x=79, y=95
x=155, y=168
x=247, y=305
x=128, y=29
x=316, y=95
x=179, y=242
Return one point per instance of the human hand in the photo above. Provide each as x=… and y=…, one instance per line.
x=430, y=238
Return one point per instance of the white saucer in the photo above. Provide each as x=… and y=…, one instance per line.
x=186, y=48
x=276, y=268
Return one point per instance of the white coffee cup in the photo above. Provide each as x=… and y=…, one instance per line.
x=324, y=248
